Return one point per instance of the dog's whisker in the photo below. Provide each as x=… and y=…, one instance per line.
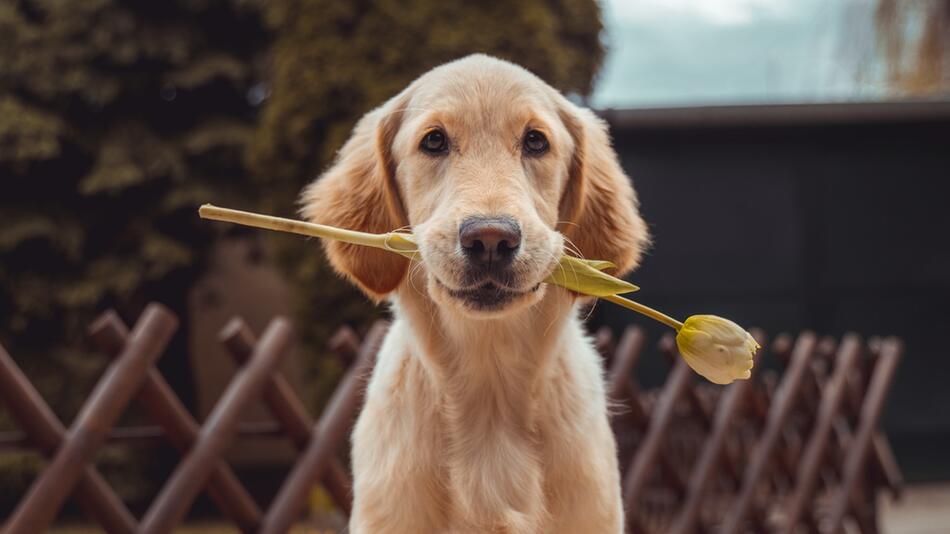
x=573, y=247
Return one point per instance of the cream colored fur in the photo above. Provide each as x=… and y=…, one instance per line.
x=481, y=421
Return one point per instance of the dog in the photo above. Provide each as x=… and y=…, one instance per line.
x=486, y=410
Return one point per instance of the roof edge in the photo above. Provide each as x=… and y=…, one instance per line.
x=764, y=115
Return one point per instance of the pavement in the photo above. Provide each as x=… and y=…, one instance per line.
x=923, y=509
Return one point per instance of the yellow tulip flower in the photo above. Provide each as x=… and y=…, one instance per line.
x=717, y=348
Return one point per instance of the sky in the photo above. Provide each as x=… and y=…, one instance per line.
x=695, y=52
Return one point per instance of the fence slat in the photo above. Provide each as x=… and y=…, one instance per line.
x=45, y=431
x=782, y=405
x=623, y=388
x=646, y=456
x=181, y=489
x=146, y=434
x=102, y=409
x=882, y=454
x=287, y=408
x=828, y=412
x=331, y=430
x=890, y=471
x=730, y=407
x=861, y=445
x=619, y=386
x=162, y=406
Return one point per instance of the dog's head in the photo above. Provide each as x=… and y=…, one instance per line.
x=496, y=174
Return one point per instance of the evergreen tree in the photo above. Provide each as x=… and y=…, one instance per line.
x=116, y=120
x=119, y=117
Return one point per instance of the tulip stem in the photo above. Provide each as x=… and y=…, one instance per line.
x=645, y=310
x=281, y=224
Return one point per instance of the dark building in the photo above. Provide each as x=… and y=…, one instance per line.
x=829, y=217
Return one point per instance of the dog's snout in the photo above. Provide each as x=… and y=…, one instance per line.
x=490, y=241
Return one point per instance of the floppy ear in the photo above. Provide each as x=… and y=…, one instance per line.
x=359, y=192
x=599, y=208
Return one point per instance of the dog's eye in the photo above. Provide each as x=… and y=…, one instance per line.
x=535, y=143
x=435, y=142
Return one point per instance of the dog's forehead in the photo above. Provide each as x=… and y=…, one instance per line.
x=482, y=90
x=479, y=74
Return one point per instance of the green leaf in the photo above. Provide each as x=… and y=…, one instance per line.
x=586, y=277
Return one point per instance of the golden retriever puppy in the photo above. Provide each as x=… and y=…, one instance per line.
x=486, y=411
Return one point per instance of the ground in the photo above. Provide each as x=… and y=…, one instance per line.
x=191, y=528
x=924, y=509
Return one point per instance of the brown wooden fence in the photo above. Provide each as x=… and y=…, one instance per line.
x=794, y=447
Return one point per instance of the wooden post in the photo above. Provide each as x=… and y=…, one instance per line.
x=729, y=408
x=288, y=410
x=861, y=445
x=646, y=457
x=179, y=492
x=782, y=404
x=162, y=406
x=46, y=432
x=828, y=411
x=102, y=409
x=331, y=430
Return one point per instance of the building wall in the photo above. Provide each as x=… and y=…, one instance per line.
x=836, y=225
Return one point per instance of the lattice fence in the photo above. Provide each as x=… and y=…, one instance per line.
x=796, y=447
x=789, y=449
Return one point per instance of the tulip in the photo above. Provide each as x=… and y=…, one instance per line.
x=716, y=348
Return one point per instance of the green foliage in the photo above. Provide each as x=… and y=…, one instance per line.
x=117, y=119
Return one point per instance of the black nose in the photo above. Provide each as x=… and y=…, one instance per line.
x=490, y=241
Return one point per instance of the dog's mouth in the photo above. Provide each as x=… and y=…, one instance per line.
x=488, y=296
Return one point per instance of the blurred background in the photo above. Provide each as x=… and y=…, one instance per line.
x=791, y=158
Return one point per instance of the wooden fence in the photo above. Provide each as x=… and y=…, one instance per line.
x=790, y=449
x=793, y=448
